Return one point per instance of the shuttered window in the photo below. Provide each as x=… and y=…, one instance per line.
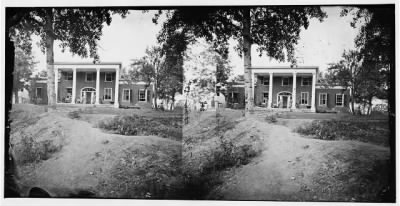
x=142, y=95
x=323, y=99
x=339, y=100
x=126, y=95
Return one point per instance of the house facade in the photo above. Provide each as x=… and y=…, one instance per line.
x=96, y=84
x=288, y=88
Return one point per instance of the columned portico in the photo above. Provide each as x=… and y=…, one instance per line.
x=294, y=90
x=287, y=88
x=87, y=83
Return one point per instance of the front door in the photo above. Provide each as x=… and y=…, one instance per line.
x=88, y=97
x=285, y=101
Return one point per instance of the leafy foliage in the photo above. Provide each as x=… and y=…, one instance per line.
x=376, y=44
x=273, y=29
x=23, y=66
x=358, y=129
x=138, y=125
x=74, y=28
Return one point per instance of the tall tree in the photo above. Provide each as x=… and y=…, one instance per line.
x=347, y=73
x=24, y=65
x=376, y=41
x=152, y=69
x=76, y=29
x=274, y=29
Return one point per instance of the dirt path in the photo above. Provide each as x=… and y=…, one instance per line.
x=88, y=158
x=288, y=167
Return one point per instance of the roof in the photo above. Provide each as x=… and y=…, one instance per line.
x=285, y=67
x=87, y=63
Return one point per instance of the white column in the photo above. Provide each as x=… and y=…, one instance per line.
x=313, y=91
x=294, y=90
x=56, y=83
x=97, y=101
x=73, y=86
x=271, y=77
x=116, y=103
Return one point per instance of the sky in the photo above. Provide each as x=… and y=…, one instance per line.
x=127, y=39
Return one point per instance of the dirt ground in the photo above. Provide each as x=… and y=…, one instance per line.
x=291, y=167
x=94, y=162
x=294, y=168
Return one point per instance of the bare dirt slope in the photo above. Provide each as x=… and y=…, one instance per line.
x=90, y=160
x=297, y=168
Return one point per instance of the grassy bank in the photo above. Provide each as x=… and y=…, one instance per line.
x=376, y=132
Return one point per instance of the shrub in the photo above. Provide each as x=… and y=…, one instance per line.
x=351, y=129
x=29, y=150
x=74, y=114
x=137, y=125
x=271, y=118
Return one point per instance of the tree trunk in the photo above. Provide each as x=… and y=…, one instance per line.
x=173, y=100
x=370, y=106
x=15, y=86
x=50, y=59
x=155, y=95
x=247, y=58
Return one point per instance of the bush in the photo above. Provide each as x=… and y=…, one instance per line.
x=271, y=118
x=361, y=130
x=29, y=150
x=137, y=125
x=74, y=114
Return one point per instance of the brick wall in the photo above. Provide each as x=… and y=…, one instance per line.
x=331, y=99
x=134, y=89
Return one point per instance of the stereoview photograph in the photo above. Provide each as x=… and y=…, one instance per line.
x=267, y=103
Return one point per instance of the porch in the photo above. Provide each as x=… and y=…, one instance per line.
x=88, y=91
x=277, y=88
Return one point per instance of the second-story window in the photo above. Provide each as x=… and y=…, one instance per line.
x=67, y=75
x=285, y=81
x=108, y=77
x=90, y=76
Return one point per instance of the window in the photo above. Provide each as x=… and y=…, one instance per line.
x=126, y=95
x=339, y=100
x=322, y=99
x=304, y=98
x=107, y=93
x=306, y=81
x=90, y=76
x=285, y=81
x=69, y=91
x=142, y=95
x=67, y=75
x=265, y=97
x=108, y=77
x=38, y=91
x=235, y=97
x=265, y=81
